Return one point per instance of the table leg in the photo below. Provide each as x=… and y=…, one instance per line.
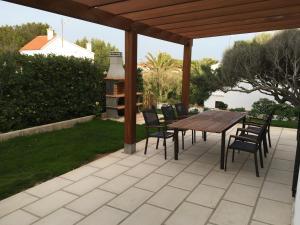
x=222, y=149
x=204, y=135
x=244, y=121
x=176, y=144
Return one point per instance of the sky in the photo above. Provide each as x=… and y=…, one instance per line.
x=12, y=14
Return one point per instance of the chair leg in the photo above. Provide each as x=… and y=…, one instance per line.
x=182, y=139
x=157, y=142
x=192, y=137
x=146, y=146
x=232, y=155
x=265, y=145
x=226, y=156
x=256, y=166
x=269, y=137
x=261, y=157
x=165, y=147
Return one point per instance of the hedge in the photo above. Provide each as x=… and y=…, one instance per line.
x=36, y=90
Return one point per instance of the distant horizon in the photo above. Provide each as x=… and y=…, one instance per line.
x=74, y=29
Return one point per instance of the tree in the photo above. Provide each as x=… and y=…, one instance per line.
x=204, y=80
x=101, y=50
x=271, y=67
x=12, y=38
x=162, y=79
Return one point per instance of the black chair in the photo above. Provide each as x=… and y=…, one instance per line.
x=182, y=112
x=247, y=144
x=170, y=117
x=256, y=126
x=155, y=129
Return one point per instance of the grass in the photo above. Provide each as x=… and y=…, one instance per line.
x=26, y=161
x=280, y=123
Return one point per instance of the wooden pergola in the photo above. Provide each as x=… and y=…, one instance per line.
x=178, y=21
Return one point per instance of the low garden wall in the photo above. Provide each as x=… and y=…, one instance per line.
x=45, y=128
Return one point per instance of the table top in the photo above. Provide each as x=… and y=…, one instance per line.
x=209, y=121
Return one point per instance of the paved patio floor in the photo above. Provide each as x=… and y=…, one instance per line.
x=147, y=190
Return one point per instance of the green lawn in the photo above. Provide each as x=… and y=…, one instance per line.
x=26, y=161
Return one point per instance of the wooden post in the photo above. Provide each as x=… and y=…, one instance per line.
x=130, y=91
x=186, y=70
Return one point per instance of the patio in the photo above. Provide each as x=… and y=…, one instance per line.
x=138, y=189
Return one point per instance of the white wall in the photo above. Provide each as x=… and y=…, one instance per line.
x=235, y=99
x=64, y=48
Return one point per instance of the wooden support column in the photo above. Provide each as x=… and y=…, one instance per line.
x=186, y=70
x=130, y=91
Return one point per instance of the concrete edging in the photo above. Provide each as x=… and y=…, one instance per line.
x=45, y=128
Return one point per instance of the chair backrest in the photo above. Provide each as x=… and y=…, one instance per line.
x=181, y=110
x=151, y=117
x=168, y=112
x=263, y=130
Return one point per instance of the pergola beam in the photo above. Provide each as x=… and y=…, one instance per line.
x=186, y=71
x=82, y=11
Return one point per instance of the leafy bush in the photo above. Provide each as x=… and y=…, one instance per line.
x=241, y=109
x=285, y=112
x=220, y=105
x=36, y=90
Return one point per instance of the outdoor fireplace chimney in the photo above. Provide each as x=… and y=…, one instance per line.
x=116, y=69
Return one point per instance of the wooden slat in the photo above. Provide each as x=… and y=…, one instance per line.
x=184, y=8
x=130, y=87
x=186, y=70
x=139, y=5
x=97, y=3
x=209, y=121
x=84, y=12
x=239, y=23
x=267, y=26
x=238, y=9
x=175, y=27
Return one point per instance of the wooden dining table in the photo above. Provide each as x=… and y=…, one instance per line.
x=209, y=121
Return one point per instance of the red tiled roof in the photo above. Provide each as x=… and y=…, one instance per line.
x=35, y=44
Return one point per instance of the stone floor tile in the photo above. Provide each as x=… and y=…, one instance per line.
x=79, y=173
x=131, y=161
x=273, y=212
x=104, y=216
x=281, y=164
x=130, y=199
x=232, y=168
x=275, y=191
x=280, y=176
x=196, y=150
x=230, y=213
x=244, y=194
x=170, y=169
x=185, y=159
x=218, y=179
x=147, y=215
x=287, y=155
x=111, y=171
x=186, y=181
x=199, y=168
x=50, y=203
x=206, y=195
x=91, y=201
x=191, y=214
x=153, y=182
x=104, y=161
x=281, y=147
x=250, y=166
x=156, y=160
x=119, y=184
x=165, y=198
x=141, y=170
x=248, y=178
x=48, y=187
x=290, y=142
x=18, y=217
x=60, y=217
x=253, y=222
x=209, y=158
x=15, y=202
x=119, y=154
x=85, y=185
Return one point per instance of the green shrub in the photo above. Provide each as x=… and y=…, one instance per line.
x=220, y=105
x=36, y=90
x=241, y=109
x=262, y=107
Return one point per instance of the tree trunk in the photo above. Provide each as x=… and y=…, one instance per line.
x=297, y=160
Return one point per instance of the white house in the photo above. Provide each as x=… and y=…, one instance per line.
x=53, y=44
x=235, y=99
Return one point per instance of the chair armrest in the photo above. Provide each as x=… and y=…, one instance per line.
x=253, y=124
x=242, y=138
x=246, y=130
